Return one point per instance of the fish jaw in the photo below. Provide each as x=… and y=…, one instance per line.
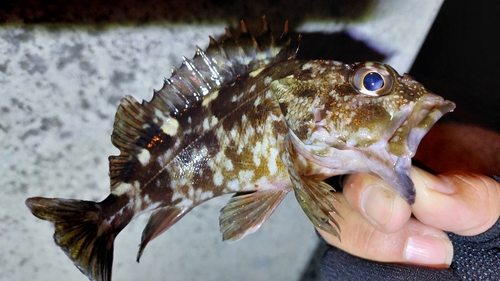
x=403, y=147
x=425, y=114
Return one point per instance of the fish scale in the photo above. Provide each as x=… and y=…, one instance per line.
x=246, y=117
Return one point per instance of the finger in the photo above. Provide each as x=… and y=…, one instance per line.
x=463, y=203
x=377, y=202
x=415, y=243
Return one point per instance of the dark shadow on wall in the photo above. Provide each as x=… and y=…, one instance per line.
x=142, y=11
x=337, y=46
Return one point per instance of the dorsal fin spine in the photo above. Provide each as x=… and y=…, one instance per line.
x=214, y=73
x=198, y=79
x=180, y=85
x=218, y=56
x=165, y=104
x=194, y=80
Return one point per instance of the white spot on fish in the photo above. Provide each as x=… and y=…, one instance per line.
x=186, y=203
x=170, y=126
x=138, y=199
x=228, y=165
x=122, y=188
x=252, y=88
x=144, y=157
x=233, y=133
x=308, y=65
x=245, y=176
x=268, y=80
x=271, y=162
x=238, y=97
x=201, y=195
x=233, y=185
x=137, y=186
x=184, y=200
x=256, y=72
x=206, y=126
x=257, y=101
x=213, y=121
x=218, y=178
x=210, y=98
x=256, y=153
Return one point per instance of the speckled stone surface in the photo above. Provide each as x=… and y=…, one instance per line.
x=59, y=89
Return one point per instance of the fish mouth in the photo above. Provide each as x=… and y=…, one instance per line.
x=409, y=130
x=404, y=140
x=390, y=156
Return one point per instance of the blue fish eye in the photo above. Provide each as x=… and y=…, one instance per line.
x=373, y=81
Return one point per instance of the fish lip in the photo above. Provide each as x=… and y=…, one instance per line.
x=425, y=113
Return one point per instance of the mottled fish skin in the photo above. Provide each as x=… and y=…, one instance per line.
x=245, y=117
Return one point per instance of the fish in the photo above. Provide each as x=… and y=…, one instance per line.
x=247, y=117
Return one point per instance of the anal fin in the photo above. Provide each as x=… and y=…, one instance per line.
x=245, y=213
x=161, y=220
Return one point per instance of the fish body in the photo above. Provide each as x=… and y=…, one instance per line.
x=246, y=117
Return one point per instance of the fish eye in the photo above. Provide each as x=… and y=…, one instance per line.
x=373, y=79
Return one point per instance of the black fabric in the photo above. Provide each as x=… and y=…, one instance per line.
x=475, y=258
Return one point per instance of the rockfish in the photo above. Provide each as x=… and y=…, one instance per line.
x=246, y=117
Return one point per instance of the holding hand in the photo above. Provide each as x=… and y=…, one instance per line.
x=378, y=225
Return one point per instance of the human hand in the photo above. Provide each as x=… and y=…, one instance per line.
x=378, y=226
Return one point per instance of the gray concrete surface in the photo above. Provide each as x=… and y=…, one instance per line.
x=59, y=88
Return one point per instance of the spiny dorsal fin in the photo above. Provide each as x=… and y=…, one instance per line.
x=140, y=128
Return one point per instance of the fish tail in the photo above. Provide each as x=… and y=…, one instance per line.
x=81, y=232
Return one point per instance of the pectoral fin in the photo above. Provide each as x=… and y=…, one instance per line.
x=315, y=198
x=161, y=220
x=245, y=213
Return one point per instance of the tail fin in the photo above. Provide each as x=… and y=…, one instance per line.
x=81, y=233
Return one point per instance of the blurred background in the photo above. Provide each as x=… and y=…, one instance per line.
x=64, y=66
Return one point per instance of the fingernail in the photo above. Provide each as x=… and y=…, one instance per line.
x=430, y=250
x=377, y=203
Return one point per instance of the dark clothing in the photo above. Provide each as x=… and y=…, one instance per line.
x=475, y=258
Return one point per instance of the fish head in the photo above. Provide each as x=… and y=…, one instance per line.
x=361, y=117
